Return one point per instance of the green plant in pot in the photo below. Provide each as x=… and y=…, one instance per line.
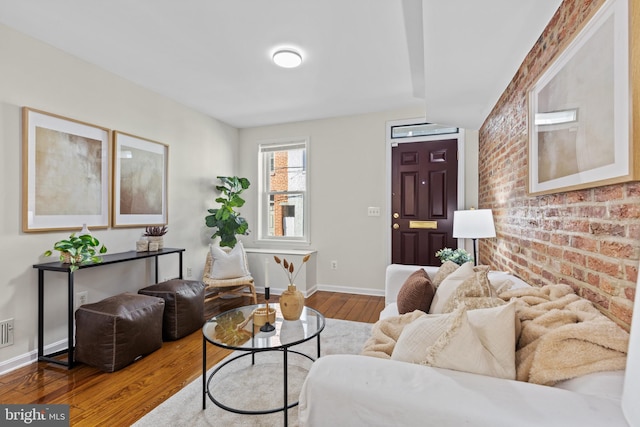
x=459, y=256
x=77, y=250
x=225, y=219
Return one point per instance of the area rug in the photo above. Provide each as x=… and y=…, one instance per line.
x=243, y=386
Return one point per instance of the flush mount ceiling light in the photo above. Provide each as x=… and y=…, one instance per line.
x=287, y=58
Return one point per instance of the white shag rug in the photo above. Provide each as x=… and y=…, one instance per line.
x=243, y=386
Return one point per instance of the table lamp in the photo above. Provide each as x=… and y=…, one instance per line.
x=473, y=224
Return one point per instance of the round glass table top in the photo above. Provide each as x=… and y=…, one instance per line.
x=235, y=329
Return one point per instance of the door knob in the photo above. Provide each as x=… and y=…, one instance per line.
x=396, y=226
x=396, y=215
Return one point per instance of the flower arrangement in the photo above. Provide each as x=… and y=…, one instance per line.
x=289, y=268
x=459, y=256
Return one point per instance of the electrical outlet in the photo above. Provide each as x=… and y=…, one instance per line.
x=82, y=298
x=334, y=265
x=189, y=272
x=373, y=211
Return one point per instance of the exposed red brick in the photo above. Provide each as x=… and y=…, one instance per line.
x=603, y=266
x=595, y=297
x=622, y=309
x=575, y=258
x=560, y=239
x=584, y=243
x=624, y=211
x=579, y=196
x=579, y=225
x=617, y=249
x=607, y=286
x=612, y=192
x=607, y=229
x=631, y=272
x=633, y=189
x=589, y=238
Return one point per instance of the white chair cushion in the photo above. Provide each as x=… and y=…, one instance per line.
x=229, y=265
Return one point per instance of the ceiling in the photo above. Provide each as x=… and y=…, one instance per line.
x=451, y=58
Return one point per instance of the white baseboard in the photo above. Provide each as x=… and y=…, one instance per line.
x=350, y=290
x=7, y=366
x=330, y=288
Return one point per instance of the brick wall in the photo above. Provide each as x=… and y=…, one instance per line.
x=589, y=239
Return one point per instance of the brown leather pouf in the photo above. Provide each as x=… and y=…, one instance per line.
x=114, y=332
x=184, y=306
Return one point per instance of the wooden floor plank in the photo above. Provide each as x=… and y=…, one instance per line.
x=99, y=398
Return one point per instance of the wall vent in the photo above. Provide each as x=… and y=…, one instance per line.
x=6, y=332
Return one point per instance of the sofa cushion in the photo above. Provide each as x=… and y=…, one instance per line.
x=228, y=265
x=416, y=293
x=445, y=269
x=449, y=285
x=478, y=341
x=475, y=292
x=469, y=286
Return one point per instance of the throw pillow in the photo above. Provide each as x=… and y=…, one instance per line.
x=449, y=285
x=477, y=341
x=416, y=293
x=474, y=292
x=445, y=269
x=501, y=286
x=228, y=265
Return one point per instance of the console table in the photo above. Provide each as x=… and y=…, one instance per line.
x=65, y=268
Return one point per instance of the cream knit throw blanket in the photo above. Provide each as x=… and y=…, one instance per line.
x=564, y=336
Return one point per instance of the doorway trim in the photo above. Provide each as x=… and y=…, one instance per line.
x=389, y=143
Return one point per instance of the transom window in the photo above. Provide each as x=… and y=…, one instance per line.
x=283, y=191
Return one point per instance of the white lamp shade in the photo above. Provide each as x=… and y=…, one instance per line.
x=473, y=224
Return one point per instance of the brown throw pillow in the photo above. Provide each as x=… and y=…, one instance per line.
x=416, y=293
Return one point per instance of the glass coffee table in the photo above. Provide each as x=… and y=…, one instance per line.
x=234, y=330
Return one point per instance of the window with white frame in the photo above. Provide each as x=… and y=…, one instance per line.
x=283, y=191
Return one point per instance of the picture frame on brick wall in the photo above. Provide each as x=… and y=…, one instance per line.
x=580, y=110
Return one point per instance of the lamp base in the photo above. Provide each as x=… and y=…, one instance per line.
x=267, y=327
x=475, y=253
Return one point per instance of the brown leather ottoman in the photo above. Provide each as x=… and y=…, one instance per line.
x=184, y=306
x=114, y=332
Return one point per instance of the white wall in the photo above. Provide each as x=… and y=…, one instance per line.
x=36, y=75
x=347, y=170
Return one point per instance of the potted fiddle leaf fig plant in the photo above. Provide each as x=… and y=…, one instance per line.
x=225, y=219
x=77, y=250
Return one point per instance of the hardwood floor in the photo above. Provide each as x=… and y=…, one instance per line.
x=123, y=397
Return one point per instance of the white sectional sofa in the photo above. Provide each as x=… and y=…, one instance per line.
x=358, y=390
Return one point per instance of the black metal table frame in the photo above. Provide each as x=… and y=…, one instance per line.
x=252, y=352
x=65, y=268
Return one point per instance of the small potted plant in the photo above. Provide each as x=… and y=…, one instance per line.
x=459, y=256
x=155, y=234
x=77, y=250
